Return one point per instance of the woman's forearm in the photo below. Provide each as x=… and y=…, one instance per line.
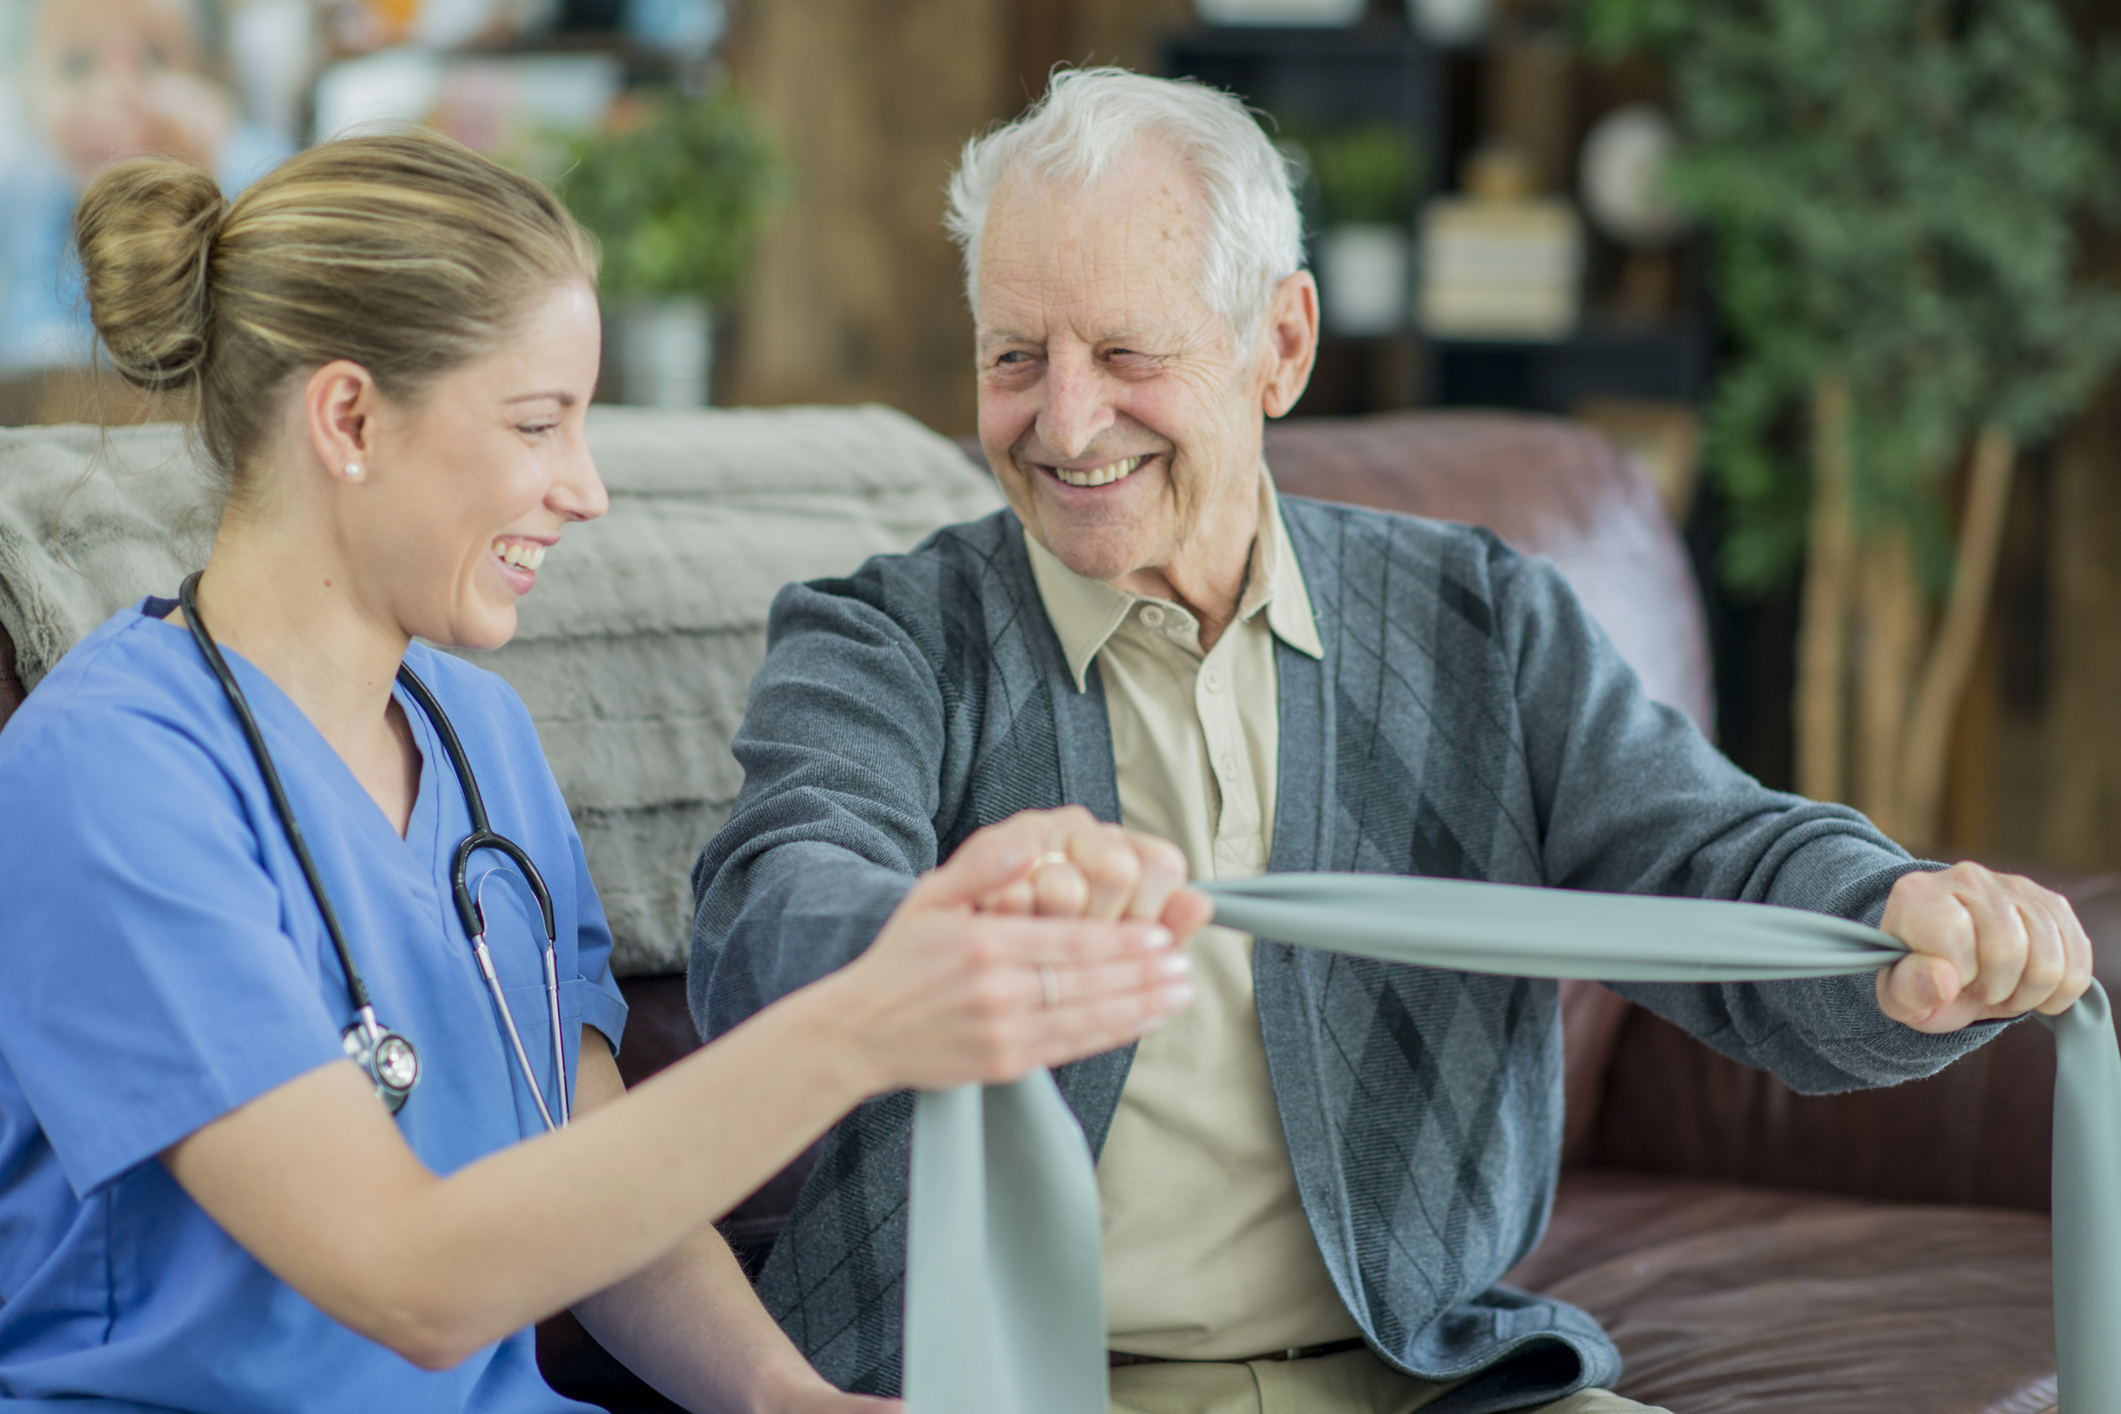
x=316, y=1182
x=683, y=1149
x=313, y=1180
x=690, y=1326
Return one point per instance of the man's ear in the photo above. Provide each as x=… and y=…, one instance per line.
x=1291, y=337
x=339, y=405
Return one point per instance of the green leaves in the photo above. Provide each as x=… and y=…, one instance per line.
x=676, y=194
x=1894, y=188
x=1365, y=173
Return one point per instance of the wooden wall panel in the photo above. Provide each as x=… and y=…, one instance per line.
x=855, y=295
x=1123, y=32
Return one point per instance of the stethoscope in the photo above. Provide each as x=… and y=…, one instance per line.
x=387, y=1058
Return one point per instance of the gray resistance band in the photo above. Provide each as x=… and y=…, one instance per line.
x=1004, y=1296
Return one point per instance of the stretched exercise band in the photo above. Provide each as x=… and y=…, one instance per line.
x=1004, y=1296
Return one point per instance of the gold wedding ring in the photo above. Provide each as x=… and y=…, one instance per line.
x=1051, y=856
x=1049, y=985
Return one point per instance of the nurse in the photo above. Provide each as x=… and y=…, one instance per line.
x=391, y=343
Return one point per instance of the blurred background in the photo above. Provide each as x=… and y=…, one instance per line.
x=1842, y=274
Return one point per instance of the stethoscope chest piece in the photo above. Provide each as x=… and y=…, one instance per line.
x=385, y=1057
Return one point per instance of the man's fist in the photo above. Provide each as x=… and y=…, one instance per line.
x=1981, y=947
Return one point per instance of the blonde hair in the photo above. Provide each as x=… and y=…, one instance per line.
x=406, y=253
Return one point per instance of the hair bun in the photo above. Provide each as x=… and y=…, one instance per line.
x=146, y=230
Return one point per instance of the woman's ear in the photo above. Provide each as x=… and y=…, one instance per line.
x=339, y=406
x=1291, y=337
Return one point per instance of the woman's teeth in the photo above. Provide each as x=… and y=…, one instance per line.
x=1099, y=475
x=516, y=552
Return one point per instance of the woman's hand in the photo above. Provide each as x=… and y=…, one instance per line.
x=949, y=994
x=1088, y=869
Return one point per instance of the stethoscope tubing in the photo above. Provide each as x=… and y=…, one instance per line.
x=469, y=911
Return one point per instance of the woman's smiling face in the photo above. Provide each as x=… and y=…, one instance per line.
x=464, y=493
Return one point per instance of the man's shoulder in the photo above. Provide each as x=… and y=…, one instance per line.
x=956, y=566
x=959, y=600
x=1335, y=542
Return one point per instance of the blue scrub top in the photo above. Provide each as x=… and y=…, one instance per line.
x=162, y=962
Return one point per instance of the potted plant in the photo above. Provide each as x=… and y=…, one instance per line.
x=1897, y=191
x=1366, y=177
x=675, y=188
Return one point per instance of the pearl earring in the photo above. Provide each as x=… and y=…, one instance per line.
x=353, y=471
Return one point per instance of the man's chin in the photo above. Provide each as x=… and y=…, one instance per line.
x=1093, y=557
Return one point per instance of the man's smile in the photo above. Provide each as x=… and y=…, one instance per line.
x=1103, y=475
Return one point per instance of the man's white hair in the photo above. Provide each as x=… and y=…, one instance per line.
x=1092, y=120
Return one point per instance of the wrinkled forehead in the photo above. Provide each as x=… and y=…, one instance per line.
x=1122, y=250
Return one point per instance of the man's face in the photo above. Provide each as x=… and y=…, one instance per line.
x=1120, y=415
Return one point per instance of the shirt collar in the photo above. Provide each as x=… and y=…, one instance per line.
x=1085, y=613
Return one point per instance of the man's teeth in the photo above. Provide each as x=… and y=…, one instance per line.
x=1099, y=475
x=516, y=552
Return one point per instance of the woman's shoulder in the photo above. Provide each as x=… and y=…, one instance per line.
x=125, y=718
x=131, y=669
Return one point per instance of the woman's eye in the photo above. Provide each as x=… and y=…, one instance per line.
x=536, y=429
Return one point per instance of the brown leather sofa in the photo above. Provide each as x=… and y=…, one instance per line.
x=1749, y=1249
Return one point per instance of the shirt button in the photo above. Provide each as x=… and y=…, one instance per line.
x=1214, y=681
x=1228, y=764
x=1152, y=616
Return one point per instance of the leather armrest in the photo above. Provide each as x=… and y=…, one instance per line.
x=1980, y=1132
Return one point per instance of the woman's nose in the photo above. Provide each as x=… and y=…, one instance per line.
x=579, y=493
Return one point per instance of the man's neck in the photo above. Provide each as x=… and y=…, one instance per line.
x=1208, y=574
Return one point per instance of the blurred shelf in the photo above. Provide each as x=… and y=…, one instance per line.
x=1669, y=362
x=1323, y=77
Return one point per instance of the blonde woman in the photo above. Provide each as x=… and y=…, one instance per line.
x=302, y=976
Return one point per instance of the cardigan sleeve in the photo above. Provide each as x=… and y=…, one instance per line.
x=1632, y=799
x=841, y=747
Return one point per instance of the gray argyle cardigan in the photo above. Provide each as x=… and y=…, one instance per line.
x=1467, y=721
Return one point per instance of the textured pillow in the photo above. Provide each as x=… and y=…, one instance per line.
x=638, y=646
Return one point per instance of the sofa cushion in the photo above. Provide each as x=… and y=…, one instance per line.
x=1730, y=1300
x=1980, y=1131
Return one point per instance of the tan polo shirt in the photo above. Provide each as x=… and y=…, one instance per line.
x=1207, y=1251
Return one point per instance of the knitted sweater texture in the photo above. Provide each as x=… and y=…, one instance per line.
x=1467, y=721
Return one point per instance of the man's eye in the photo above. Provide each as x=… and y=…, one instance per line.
x=1014, y=356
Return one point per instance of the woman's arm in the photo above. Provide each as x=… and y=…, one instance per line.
x=315, y=1180
x=689, y=1323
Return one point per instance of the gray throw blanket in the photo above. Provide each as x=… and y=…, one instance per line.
x=635, y=651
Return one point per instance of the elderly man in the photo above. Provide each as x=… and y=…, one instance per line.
x=1313, y=1179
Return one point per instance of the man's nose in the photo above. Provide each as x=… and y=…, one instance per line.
x=1077, y=406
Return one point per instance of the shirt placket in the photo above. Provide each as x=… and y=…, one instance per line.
x=1235, y=836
